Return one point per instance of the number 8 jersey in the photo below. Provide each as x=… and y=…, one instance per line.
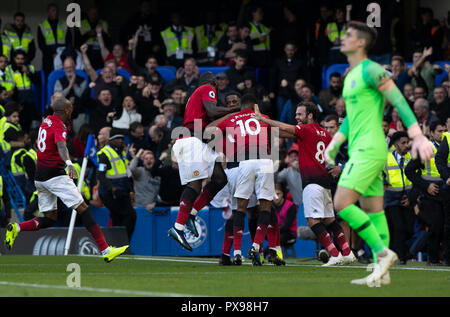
x=49, y=163
x=312, y=140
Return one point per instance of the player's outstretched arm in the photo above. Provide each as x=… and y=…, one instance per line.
x=64, y=154
x=286, y=130
x=215, y=111
x=376, y=76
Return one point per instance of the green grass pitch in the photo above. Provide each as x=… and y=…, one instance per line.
x=135, y=276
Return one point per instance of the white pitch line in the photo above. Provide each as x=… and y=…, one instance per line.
x=289, y=264
x=99, y=290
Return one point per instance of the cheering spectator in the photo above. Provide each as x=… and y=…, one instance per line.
x=236, y=72
x=146, y=186
x=228, y=44
x=399, y=72
x=186, y=77
x=169, y=110
x=100, y=109
x=441, y=104
x=126, y=115
x=424, y=115
x=137, y=137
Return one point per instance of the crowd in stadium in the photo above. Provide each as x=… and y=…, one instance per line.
x=116, y=86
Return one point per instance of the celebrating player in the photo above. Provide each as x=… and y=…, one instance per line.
x=312, y=141
x=254, y=175
x=52, y=182
x=196, y=160
x=365, y=88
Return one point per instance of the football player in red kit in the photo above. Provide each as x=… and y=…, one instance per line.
x=197, y=161
x=312, y=141
x=52, y=182
x=250, y=140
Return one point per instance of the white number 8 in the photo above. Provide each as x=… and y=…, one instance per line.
x=320, y=152
x=41, y=140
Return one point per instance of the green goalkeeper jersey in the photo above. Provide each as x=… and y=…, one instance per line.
x=364, y=104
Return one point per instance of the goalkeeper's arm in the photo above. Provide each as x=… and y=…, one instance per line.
x=338, y=139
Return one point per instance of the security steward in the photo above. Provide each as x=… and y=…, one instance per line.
x=443, y=166
x=399, y=213
x=115, y=183
x=426, y=178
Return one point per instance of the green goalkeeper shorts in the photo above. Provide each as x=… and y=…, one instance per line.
x=364, y=176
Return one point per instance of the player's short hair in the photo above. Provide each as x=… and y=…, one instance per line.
x=60, y=104
x=233, y=93
x=248, y=100
x=364, y=31
x=311, y=107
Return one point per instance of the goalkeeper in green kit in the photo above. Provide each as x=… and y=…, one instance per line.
x=366, y=86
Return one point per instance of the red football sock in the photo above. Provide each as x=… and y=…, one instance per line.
x=272, y=235
x=30, y=225
x=203, y=199
x=227, y=242
x=98, y=236
x=260, y=234
x=184, y=212
x=325, y=240
x=339, y=238
x=237, y=237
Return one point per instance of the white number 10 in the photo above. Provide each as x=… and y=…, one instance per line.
x=245, y=127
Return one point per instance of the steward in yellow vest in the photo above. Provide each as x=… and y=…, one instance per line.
x=442, y=161
x=207, y=37
x=51, y=34
x=178, y=40
x=20, y=37
x=397, y=207
x=6, y=76
x=115, y=183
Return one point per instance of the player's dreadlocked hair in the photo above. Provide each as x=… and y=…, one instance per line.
x=364, y=31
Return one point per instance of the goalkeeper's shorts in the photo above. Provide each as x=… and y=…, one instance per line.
x=363, y=175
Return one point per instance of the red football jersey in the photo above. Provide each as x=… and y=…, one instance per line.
x=312, y=141
x=49, y=162
x=244, y=134
x=194, y=107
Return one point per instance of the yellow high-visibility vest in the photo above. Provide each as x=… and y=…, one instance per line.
x=23, y=82
x=19, y=43
x=172, y=44
x=333, y=32
x=118, y=168
x=49, y=37
x=395, y=176
x=6, y=47
x=430, y=171
x=256, y=34
x=16, y=169
x=86, y=27
x=203, y=41
x=8, y=81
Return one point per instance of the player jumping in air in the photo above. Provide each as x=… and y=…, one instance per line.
x=52, y=182
x=366, y=87
x=196, y=160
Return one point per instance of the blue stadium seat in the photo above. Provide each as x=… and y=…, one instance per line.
x=57, y=74
x=39, y=92
x=339, y=68
x=213, y=69
x=120, y=71
x=167, y=72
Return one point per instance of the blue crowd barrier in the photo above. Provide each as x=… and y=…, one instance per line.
x=150, y=233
